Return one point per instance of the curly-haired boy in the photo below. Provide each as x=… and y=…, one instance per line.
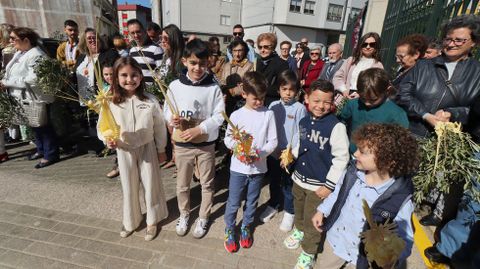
x=385, y=159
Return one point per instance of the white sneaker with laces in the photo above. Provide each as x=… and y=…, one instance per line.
x=287, y=222
x=182, y=224
x=200, y=228
x=268, y=214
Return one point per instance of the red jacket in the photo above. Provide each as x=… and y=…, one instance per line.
x=310, y=75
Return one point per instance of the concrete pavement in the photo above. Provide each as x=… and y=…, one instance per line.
x=68, y=216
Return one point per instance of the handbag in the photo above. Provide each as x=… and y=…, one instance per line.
x=34, y=112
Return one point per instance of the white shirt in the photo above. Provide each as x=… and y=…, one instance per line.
x=86, y=79
x=363, y=64
x=261, y=125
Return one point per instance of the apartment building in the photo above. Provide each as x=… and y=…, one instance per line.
x=321, y=21
x=127, y=12
x=47, y=16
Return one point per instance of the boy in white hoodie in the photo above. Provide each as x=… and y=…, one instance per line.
x=199, y=101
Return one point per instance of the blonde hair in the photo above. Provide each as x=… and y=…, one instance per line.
x=5, y=29
x=82, y=43
x=268, y=36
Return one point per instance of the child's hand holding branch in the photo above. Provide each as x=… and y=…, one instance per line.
x=111, y=144
x=175, y=121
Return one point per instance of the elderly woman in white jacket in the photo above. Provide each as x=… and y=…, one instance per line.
x=18, y=76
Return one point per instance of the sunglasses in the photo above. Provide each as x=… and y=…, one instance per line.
x=237, y=34
x=369, y=44
x=13, y=38
x=267, y=47
x=314, y=53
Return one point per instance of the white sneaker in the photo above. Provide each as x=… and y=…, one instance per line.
x=200, y=228
x=268, y=214
x=287, y=222
x=182, y=224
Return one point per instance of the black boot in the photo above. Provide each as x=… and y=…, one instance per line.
x=435, y=256
x=430, y=220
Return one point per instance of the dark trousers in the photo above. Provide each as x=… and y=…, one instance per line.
x=280, y=186
x=46, y=142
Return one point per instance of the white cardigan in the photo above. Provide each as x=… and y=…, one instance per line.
x=19, y=73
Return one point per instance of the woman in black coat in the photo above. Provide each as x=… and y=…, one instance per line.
x=269, y=64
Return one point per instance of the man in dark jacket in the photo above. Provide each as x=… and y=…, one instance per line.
x=334, y=63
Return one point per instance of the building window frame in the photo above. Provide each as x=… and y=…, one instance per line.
x=309, y=7
x=296, y=6
x=225, y=20
x=335, y=13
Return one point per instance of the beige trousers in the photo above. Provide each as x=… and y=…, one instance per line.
x=141, y=165
x=185, y=160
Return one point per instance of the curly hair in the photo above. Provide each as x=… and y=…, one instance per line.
x=470, y=21
x=394, y=147
x=416, y=43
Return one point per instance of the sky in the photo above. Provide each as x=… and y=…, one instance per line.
x=145, y=3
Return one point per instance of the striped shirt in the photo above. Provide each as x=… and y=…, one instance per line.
x=152, y=55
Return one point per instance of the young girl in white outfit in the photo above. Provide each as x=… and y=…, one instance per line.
x=141, y=147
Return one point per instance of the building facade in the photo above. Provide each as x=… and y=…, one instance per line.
x=203, y=18
x=322, y=22
x=127, y=12
x=46, y=17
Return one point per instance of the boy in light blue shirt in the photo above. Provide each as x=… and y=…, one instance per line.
x=288, y=113
x=386, y=155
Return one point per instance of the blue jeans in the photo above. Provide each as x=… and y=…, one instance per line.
x=280, y=186
x=241, y=184
x=46, y=142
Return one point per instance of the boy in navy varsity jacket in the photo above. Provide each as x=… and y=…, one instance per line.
x=386, y=154
x=200, y=103
x=321, y=159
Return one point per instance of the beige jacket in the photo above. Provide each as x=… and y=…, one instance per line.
x=239, y=69
x=140, y=122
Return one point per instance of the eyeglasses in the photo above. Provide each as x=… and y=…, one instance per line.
x=237, y=33
x=239, y=50
x=456, y=41
x=369, y=44
x=314, y=53
x=266, y=47
x=91, y=38
x=14, y=39
x=284, y=48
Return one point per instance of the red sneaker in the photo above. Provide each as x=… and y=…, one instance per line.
x=246, y=239
x=230, y=244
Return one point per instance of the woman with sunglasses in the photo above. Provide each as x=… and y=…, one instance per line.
x=269, y=64
x=311, y=69
x=445, y=89
x=20, y=80
x=173, y=45
x=94, y=52
x=366, y=55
